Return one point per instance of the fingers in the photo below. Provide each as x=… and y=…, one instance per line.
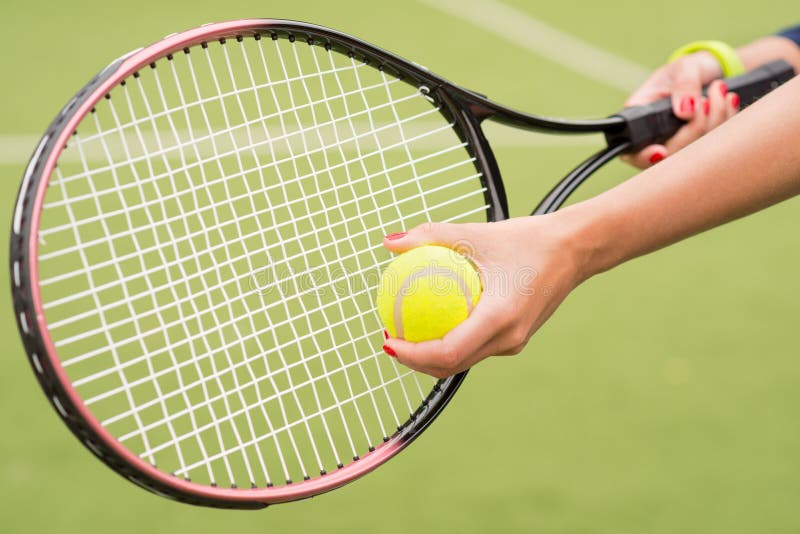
x=455, y=352
x=718, y=110
x=692, y=130
x=654, y=88
x=686, y=94
x=733, y=104
x=430, y=233
x=647, y=157
x=711, y=111
x=683, y=79
x=657, y=86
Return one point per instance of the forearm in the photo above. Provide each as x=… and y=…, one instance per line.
x=769, y=49
x=749, y=163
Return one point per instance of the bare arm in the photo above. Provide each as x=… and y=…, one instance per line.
x=768, y=49
x=747, y=164
x=751, y=162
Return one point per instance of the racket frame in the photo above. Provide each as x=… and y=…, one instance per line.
x=27, y=301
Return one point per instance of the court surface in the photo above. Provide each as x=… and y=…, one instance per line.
x=660, y=398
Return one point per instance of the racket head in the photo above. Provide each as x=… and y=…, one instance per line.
x=31, y=242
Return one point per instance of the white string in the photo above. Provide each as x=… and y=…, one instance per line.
x=134, y=361
x=371, y=196
x=107, y=334
x=163, y=151
x=275, y=285
x=350, y=181
x=134, y=317
x=395, y=202
x=349, y=236
x=214, y=98
x=334, y=188
x=337, y=244
x=251, y=267
x=152, y=224
x=303, y=420
x=196, y=361
x=284, y=165
x=299, y=237
x=276, y=396
x=206, y=294
x=114, y=391
x=305, y=313
x=270, y=375
x=227, y=177
x=194, y=356
x=77, y=296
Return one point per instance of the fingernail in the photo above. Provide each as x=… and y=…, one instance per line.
x=687, y=104
x=706, y=106
x=723, y=88
x=735, y=100
x=656, y=157
x=385, y=334
x=388, y=350
x=398, y=235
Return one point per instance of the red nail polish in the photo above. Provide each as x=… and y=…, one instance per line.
x=706, y=106
x=687, y=104
x=385, y=334
x=656, y=157
x=723, y=88
x=735, y=100
x=388, y=350
x=398, y=235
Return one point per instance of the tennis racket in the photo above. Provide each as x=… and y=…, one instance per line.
x=197, y=240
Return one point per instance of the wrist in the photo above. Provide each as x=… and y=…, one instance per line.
x=769, y=49
x=725, y=58
x=584, y=239
x=708, y=65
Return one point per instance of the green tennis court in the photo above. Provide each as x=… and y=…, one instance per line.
x=661, y=396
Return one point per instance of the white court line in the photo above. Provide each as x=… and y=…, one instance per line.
x=568, y=51
x=508, y=23
x=17, y=149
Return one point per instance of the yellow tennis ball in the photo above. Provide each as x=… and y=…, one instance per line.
x=425, y=292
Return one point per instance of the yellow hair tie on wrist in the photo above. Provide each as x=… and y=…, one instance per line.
x=725, y=54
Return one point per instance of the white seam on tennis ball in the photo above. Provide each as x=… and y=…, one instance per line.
x=428, y=270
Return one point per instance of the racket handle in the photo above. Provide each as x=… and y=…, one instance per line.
x=655, y=122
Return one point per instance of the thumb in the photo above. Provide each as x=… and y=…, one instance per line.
x=686, y=93
x=430, y=233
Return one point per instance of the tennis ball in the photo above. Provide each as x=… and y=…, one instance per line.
x=425, y=292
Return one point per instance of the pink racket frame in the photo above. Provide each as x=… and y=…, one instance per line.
x=33, y=324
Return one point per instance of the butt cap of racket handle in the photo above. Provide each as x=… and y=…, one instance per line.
x=655, y=122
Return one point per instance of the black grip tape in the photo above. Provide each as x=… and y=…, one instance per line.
x=655, y=122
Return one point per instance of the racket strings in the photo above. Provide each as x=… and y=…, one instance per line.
x=202, y=101
x=336, y=401
x=157, y=177
x=150, y=293
x=152, y=270
x=229, y=358
x=111, y=392
x=210, y=248
x=126, y=388
x=377, y=210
